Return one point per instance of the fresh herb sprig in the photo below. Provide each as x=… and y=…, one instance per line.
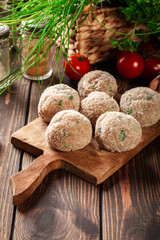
x=61, y=15
x=140, y=12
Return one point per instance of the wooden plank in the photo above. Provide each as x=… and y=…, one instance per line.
x=100, y=164
x=63, y=207
x=72, y=205
x=130, y=198
x=13, y=108
x=103, y=166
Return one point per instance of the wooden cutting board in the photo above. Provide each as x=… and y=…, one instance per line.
x=89, y=163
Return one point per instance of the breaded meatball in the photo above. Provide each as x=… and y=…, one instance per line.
x=97, y=81
x=142, y=103
x=57, y=98
x=68, y=131
x=117, y=132
x=97, y=103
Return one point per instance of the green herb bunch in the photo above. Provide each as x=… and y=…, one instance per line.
x=145, y=12
x=61, y=15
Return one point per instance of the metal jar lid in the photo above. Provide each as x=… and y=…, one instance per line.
x=4, y=31
x=31, y=24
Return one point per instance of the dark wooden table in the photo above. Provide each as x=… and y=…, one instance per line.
x=126, y=206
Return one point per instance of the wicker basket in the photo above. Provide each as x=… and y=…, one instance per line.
x=92, y=39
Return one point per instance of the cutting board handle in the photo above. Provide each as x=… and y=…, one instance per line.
x=25, y=182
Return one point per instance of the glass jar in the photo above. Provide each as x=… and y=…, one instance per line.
x=37, y=60
x=3, y=5
x=4, y=56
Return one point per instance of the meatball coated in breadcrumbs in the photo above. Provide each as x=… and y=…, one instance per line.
x=68, y=131
x=117, y=132
x=142, y=103
x=97, y=81
x=57, y=98
x=97, y=103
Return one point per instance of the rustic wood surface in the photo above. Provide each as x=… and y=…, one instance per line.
x=125, y=206
x=99, y=166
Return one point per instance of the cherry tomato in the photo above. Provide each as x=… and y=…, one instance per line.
x=151, y=69
x=130, y=65
x=76, y=66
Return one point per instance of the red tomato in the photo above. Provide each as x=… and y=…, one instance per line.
x=130, y=65
x=151, y=69
x=76, y=66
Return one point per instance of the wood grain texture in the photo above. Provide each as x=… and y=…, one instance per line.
x=99, y=166
x=13, y=107
x=131, y=198
x=63, y=207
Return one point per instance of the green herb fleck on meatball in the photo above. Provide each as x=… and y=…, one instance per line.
x=60, y=103
x=122, y=136
x=129, y=111
x=58, y=89
x=78, y=122
x=149, y=98
x=110, y=90
x=67, y=146
x=70, y=97
x=64, y=132
x=106, y=112
x=94, y=88
x=99, y=130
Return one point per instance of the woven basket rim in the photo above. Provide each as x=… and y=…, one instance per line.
x=101, y=9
